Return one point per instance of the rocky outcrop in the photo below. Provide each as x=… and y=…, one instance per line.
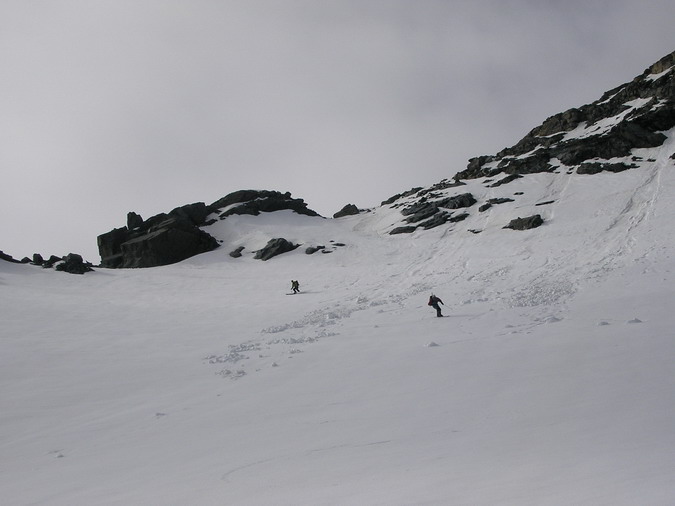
x=161, y=240
x=73, y=264
x=425, y=208
x=630, y=116
x=259, y=201
x=348, y=210
x=171, y=237
x=275, y=247
x=433, y=209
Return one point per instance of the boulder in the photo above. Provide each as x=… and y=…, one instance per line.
x=275, y=247
x=525, y=223
x=237, y=252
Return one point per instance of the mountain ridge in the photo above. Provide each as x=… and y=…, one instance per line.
x=597, y=137
x=548, y=381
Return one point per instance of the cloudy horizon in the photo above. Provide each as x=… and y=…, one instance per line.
x=146, y=105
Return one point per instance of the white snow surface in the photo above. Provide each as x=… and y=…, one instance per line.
x=550, y=381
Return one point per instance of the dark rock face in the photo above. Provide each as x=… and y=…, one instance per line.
x=638, y=112
x=73, y=264
x=525, y=223
x=168, y=242
x=134, y=220
x=110, y=247
x=160, y=240
x=348, y=210
x=275, y=247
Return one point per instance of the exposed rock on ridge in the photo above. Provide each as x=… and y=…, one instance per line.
x=630, y=116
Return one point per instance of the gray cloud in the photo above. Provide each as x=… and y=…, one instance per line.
x=145, y=105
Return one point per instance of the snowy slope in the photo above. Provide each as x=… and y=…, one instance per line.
x=550, y=383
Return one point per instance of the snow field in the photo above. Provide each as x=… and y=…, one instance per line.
x=549, y=383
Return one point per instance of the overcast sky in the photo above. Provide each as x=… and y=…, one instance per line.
x=110, y=106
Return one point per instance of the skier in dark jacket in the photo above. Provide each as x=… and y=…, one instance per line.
x=434, y=302
x=295, y=286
